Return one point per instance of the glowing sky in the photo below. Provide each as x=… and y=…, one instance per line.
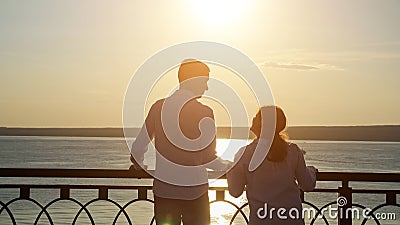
x=68, y=63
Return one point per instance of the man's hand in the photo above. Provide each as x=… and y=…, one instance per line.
x=229, y=164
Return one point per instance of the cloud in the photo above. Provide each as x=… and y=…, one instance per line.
x=288, y=66
x=296, y=66
x=302, y=55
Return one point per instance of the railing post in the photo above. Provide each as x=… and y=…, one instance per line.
x=345, y=202
x=391, y=198
x=142, y=193
x=24, y=192
x=64, y=192
x=220, y=195
x=103, y=193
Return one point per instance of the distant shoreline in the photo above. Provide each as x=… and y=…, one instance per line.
x=323, y=133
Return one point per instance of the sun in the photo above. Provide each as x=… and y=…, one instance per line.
x=220, y=12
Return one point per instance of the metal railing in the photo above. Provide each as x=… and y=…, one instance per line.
x=344, y=190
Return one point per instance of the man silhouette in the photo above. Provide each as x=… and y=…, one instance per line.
x=184, y=133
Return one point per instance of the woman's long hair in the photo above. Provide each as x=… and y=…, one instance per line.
x=278, y=149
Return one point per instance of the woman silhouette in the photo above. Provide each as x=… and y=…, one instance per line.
x=273, y=188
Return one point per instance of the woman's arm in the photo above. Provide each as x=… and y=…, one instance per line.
x=306, y=176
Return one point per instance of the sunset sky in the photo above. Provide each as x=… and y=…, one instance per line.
x=68, y=63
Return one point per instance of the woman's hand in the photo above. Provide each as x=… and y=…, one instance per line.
x=135, y=165
x=313, y=169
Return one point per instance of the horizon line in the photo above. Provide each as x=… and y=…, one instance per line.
x=224, y=126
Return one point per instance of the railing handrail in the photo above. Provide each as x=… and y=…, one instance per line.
x=343, y=190
x=125, y=173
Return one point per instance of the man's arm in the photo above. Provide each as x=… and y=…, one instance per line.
x=140, y=145
x=212, y=160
